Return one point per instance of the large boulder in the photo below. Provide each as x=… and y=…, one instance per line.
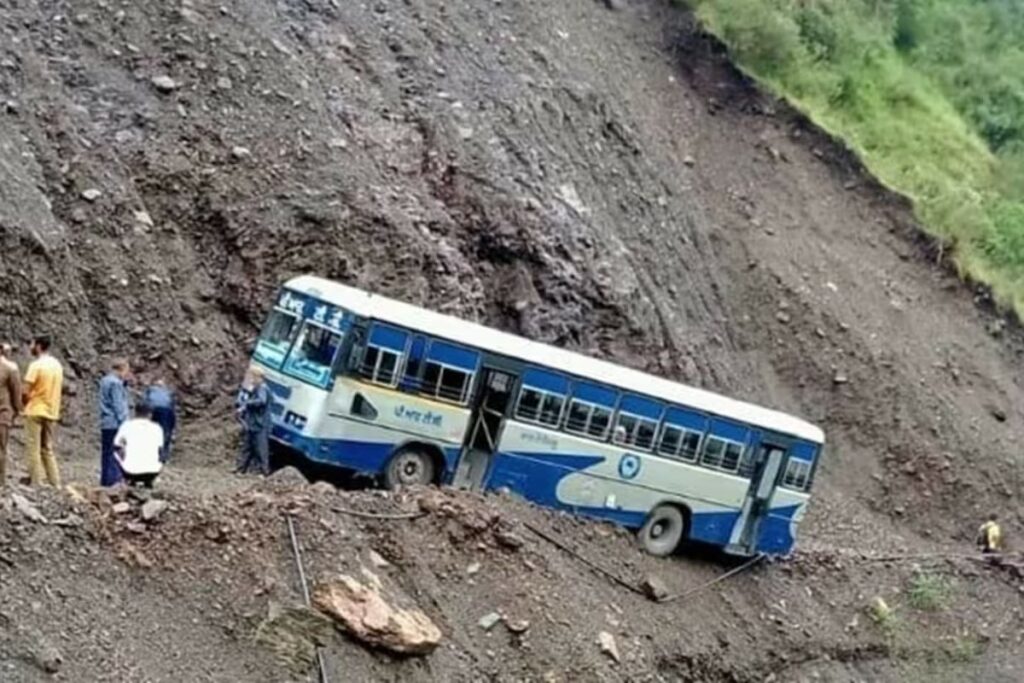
x=364, y=613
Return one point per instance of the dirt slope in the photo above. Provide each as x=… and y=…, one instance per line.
x=599, y=179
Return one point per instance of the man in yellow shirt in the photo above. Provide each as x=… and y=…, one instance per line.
x=990, y=536
x=43, y=385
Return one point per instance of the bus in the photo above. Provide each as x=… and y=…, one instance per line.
x=411, y=397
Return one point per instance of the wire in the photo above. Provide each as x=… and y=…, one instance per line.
x=320, y=665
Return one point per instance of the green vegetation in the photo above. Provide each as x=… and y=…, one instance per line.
x=929, y=592
x=964, y=649
x=929, y=93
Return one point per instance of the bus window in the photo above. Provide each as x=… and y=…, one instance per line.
x=450, y=384
x=590, y=410
x=797, y=475
x=313, y=354
x=721, y=454
x=679, y=442
x=540, y=406
x=383, y=355
x=276, y=338
x=633, y=430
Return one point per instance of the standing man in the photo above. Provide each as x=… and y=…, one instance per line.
x=43, y=385
x=254, y=411
x=10, y=404
x=113, y=414
x=159, y=398
x=990, y=536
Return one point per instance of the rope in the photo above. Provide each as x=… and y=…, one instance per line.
x=320, y=665
x=708, y=584
x=596, y=567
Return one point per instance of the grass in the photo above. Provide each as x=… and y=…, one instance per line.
x=929, y=592
x=929, y=94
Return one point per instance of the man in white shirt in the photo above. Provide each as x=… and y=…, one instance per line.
x=138, y=445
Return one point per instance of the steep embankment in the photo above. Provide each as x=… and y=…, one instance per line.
x=598, y=179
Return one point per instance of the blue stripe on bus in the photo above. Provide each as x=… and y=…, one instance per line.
x=366, y=457
x=640, y=406
x=388, y=338
x=803, y=450
x=593, y=393
x=548, y=381
x=729, y=430
x=456, y=356
x=686, y=418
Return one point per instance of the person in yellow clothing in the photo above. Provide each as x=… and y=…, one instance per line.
x=990, y=536
x=42, y=385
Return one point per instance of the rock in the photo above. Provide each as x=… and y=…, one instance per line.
x=46, y=656
x=489, y=621
x=473, y=569
x=224, y=83
x=143, y=218
x=569, y=195
x=27, y=509
x=121, y=508
x=607, y=642
x=377, y=561
x=164, y=83
x=517, y=625
x=615, y=4
x=92, y=194
x=783, y=317
x=324, y=488
x=689, y=161
x=998, y=413
x=508, y=539
x=240, y=153
x=293, y=634
x=288, y=476
x=152, y=509
x=654, y=588
x=840, y=378
x=364, y=613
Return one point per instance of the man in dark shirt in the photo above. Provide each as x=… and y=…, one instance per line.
x=159, y=398
x=113, y=413
x=253, y=405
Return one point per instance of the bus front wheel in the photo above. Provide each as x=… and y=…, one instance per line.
x=409, y=467
x=663, y=531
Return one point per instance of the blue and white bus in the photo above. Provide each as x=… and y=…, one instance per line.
x=411, y=396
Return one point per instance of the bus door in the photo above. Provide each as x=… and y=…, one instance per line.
x=489, y=407
x=767, y=461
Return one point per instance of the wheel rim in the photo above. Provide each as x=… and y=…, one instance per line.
x=410, y=469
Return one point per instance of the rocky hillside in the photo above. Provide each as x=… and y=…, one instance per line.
x=596, y=178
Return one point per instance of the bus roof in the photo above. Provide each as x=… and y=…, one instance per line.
x=485, y=338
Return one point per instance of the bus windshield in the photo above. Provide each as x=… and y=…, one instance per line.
x=313, y=354
x=276, y=339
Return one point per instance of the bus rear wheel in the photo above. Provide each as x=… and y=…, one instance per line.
x=663, y=531
x=409, y=467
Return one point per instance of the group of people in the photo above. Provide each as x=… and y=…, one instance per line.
x=134, y=449
x=135, y=442
x=37, y=398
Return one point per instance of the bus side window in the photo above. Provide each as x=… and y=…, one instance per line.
x=798, y=474
x=542, y=397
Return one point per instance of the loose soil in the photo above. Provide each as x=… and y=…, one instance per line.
x=595, y=178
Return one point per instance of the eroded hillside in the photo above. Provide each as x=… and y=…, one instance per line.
x=599, y=179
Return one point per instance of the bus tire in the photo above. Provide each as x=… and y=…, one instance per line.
x=663, y=531
x=409, y=467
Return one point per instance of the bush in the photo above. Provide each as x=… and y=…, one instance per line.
x=928, y=592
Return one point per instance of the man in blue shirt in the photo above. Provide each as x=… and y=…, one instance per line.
x=253, y=406
x=113, y=413
x=159, y=398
